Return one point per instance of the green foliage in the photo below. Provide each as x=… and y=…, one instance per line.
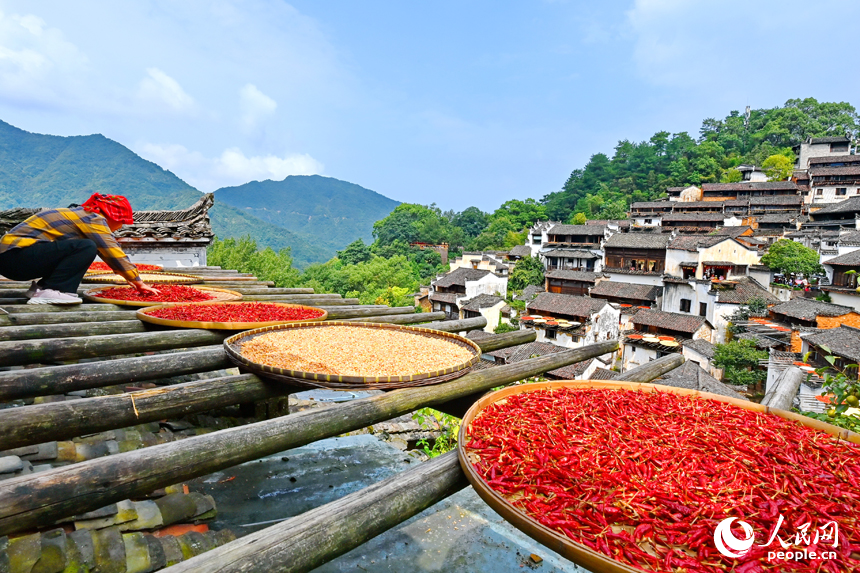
x=243, y=256
x=739, y=360
x=848, y=422
x=843, y=388
x=642, y=171
x=526, y=271
x=377, y=281
x=472, y=221
x=731, y=175
x=824, y=296
x=504, y=327
x=788, y=257
x=578, y=219
x=521, y=214
x=754, y=307
x=449, y=425
x=411, y=223
x=778, y=167
x=354, y=253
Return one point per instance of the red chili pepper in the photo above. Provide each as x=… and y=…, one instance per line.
x=622, y=471
x=236, y=312
x=100, y=266
x=166, y=293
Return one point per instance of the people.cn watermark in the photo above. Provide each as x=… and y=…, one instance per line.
x=733, y=547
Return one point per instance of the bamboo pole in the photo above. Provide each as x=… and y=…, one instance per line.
x=414, y=318
x=51, y=350
x=61, y=420
x=304, y=542
x=73, y=329
x=651, y=370
x=784, y=389
x=45, y=381
x=466, y=324
x=45, y=497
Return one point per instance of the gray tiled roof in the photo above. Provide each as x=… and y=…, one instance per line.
x=652, y=204
x=686, y=217
x=701, y=346
x=564, y=304
x=809, y=309
x=822, y=171
x=848, y=259
x=750, y=186
x=691, y=376
x=521, y=251
x=786, y=218
x=582, y=276
x=828, y=139
x=638, y=241
x=847, y=206
x=843, y=341
x=460, y=276
x=777, y=200
x=570, y=254
x=449, y=297
x=851, y=238
x=627, y=290
x=669, y=320
x=746, y=289
x=530, y=292
x=481, y=301
x=576, y=230
x=694, y=242
x=827, y=159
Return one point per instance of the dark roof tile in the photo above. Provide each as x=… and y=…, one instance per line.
x=481, y=301
x=851, y=259
x=582, y=276
x=746, y=289
x=576, y=230
x=460, y=276
x=638, y=241
x=843, y=341
x=668, y=320
x=694, y=242
x=627, y=290
x=565, y=304
x=750, y=186
x=809, y=309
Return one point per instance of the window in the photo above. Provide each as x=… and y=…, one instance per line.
x=819, y=191
x=536, y=239
x=685, y=305
x=740, y=270
x=550, y=334
x=839, y=147
x=841, y=190
x=703, y=309
x=647, y=221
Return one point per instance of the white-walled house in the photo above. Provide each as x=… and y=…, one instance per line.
x=493, y=262
x=590, y=320
x=491, y=307
x=706, y=256
x=448, y=291
x=638, y=346
x=537, y=236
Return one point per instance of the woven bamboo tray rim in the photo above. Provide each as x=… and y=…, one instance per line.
x=208, y=325
x=576, y=552
x=99, y=272
x=220, y=294
x=232, y=346
x=169, y=278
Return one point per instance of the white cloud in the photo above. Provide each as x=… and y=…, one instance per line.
x=161, y=90
x=232, y=167
x=254, y=106
x=37, y=64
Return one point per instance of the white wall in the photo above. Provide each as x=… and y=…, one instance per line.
x=489, y=284
x=168, y=257
x=653, y=280
x=846, y=299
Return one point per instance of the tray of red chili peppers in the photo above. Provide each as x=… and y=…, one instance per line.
x=619, y=476
x=150, y=277
x=237, y=315
x=101, y=267
x=167, y=294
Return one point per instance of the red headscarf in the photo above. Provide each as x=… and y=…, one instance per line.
x=115, y=207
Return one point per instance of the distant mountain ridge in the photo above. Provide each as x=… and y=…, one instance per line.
x=333, y=212
x=39, y=170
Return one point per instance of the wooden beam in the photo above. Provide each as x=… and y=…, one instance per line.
x=52, y=350
x=306, y=541
x=61, y=420
x=72, y=329
x=45, y=381
x=413, y=318
x=30, y=318
x=44, y=497
x=784, y=389
x=459, y=325
x=654, y=369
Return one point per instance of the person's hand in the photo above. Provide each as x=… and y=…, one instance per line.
x=143, y=287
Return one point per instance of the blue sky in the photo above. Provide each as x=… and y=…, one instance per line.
x=457, y=103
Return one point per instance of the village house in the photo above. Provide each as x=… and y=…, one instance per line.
x=643, y=344
x=578, y=283
x=519, y=252
x=574, y=247
x=835, y=217
x=491, y=307
x=579, y=371
x=649, y=213
x=571, y=321
x=691, y=376
x=699, y=221
x=448, y=291
x=537, y=236
x=842, y=342
x=702, y=353
x=801, y=315
x=627, y=294
x=708, y=256
x=842, y=272
x=834, y=181
x=713, y=300
x=494, y=262
x=636, y=257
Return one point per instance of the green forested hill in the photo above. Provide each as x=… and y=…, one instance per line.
x=46, y=170
x=334, y=212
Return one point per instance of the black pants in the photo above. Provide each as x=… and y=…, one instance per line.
x=60, y=264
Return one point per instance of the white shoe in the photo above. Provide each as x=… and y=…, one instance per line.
x=32, y=290
x=51, y=296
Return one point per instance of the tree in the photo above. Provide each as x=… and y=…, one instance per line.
x=578, y=219
x=778, y=167
x=521, y=214
x=739, y=360
x=243, y=256
x=472, y=220
x=788, y=257
x=355, y=252
x=754, y=307
x=527, y=271
x=731, y=176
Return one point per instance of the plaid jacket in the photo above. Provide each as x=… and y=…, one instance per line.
x=59, y=224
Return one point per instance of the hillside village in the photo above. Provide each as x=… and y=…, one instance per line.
x=669, y=277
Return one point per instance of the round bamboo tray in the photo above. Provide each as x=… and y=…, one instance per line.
x=149, y=277
x=220, y=294
x=340, y=382
x=158, y=268
x=576, y=552
x=143, y=315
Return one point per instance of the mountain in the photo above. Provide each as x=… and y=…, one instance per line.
x=333, y=212
x=47, y=170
